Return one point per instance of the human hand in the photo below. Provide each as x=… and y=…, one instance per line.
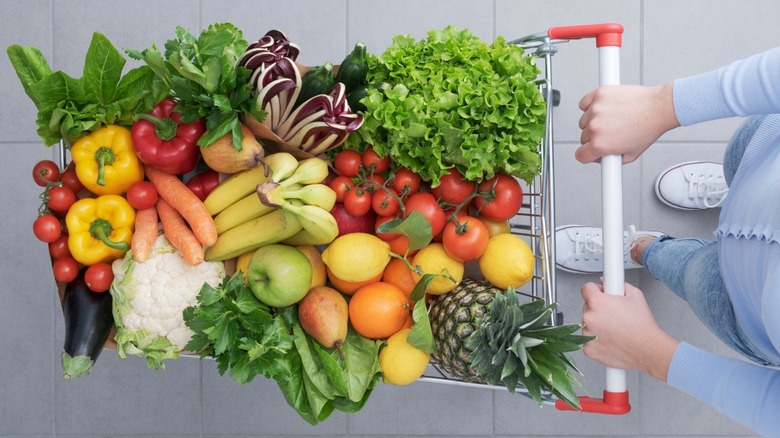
x=624, y=120
x=627, y=335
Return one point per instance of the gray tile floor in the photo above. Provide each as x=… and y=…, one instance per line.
x=664, y=39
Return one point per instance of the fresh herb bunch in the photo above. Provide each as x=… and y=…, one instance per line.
x=203, y=76
x=452, y=100
x=70, y=108
x=240, y=332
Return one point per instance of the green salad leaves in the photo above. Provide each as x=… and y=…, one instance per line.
x=452, y=100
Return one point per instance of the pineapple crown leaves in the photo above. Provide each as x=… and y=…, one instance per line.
x=515, y=344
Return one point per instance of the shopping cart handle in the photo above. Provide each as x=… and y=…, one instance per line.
x=613, y=403
x=606, y=34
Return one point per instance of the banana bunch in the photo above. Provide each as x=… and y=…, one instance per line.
x=288, y=204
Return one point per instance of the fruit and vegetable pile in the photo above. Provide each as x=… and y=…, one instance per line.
x=328, y=227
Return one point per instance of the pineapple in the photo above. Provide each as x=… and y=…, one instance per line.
x=485, y=335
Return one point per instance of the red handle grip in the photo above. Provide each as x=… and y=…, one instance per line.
x=606, y=34
x=613, y=403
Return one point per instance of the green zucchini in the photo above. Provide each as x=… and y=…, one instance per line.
x=353, y=69
x=318, y=80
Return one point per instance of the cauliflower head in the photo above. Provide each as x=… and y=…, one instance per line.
x=149, y=298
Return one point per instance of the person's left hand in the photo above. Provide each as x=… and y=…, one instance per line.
x=627, y=335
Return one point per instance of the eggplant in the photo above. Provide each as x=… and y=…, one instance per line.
x=88, y=323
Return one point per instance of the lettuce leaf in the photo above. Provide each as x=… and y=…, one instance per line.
x=452, y=100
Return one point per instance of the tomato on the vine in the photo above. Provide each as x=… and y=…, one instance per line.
x=465, y=239
x=59, y=248
x=60, y=198
x=357, y=202
x=70, y=179
x=405, y=182
x=373, y=182
x=426, y=204
x=142, y=195
x=47, y=228
x=341, y=185
x=45, y=172
x=371, y=158
x=65, y=269
x=99, y=277
x=347, y=162
x=499, y=198
x=453, y=189
x=384, y=236
x=385, y=202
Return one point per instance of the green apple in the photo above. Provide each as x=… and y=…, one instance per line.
x=279, y=275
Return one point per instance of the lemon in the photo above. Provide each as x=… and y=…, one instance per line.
x=357, y=257
x=401, y=362
x=507, y=261
x=433, y=259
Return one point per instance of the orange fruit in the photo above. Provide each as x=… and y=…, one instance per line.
x=399, y=274
x=378, y=310
x=349, y=287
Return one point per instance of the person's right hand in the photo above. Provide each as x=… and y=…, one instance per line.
x=624, y=120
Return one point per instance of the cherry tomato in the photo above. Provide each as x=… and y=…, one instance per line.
x=373, y=182
x=357, y=202
x=70, y=179
x=426, y=203
x=60, y=198
x=203, y=183
x=59, y=248
x=384, y=236
x=45, y=171
x=99, y=277
x=142, y=195
x=65, y=269
x=341, y=185
x=371, y=158
x=385, y=202
x=47, y=228
x=405, y=182
x=347, y=162
x=499, y=197
x=453, y=189
x=465, y=239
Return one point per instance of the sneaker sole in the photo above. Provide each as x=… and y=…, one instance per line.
x=668, y=202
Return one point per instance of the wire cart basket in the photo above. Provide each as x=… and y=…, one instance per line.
x=535, y=221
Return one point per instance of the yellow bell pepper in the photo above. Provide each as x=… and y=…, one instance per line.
x=99, y=229
x=105, y=161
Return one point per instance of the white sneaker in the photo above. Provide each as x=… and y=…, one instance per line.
x=695, y=185
x=579, y=249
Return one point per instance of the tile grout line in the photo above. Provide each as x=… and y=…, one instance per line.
x=52, y=10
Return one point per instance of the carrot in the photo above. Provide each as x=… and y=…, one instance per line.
x=180, y=236
x=146, y=231
x=181, y=198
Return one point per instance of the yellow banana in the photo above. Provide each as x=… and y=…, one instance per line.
x=312, y=194
x=310, y=171
x=281, y=165
x=248, y=208
x=318, y=226
x=271, y=228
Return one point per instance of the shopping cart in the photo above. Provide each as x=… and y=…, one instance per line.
x=536, y=219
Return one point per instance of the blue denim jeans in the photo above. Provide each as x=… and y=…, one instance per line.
x=691, y=267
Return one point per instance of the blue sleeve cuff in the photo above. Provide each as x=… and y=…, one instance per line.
x=699, y=99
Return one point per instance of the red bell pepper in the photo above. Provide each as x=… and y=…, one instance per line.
x=203, y=183
x=161, y=140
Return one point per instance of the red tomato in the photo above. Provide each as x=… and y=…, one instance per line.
x=465, y=239
x=453, y=189
x=65, y=269
x=142, y=195
x=59, y=248
x=47, y=228
x=499, y=198
x=405, y=182
x=341, y=185
x=384, y=236
x=60, y=198
x=373, y=182
x=99, y=277
x=426, y=203
x=347, y=162
x=70, y=179
x=45, y=171
x=385, y=202
x=357, y=202
x=371, y=158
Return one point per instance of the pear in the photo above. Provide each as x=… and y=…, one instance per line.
x=323, y=314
